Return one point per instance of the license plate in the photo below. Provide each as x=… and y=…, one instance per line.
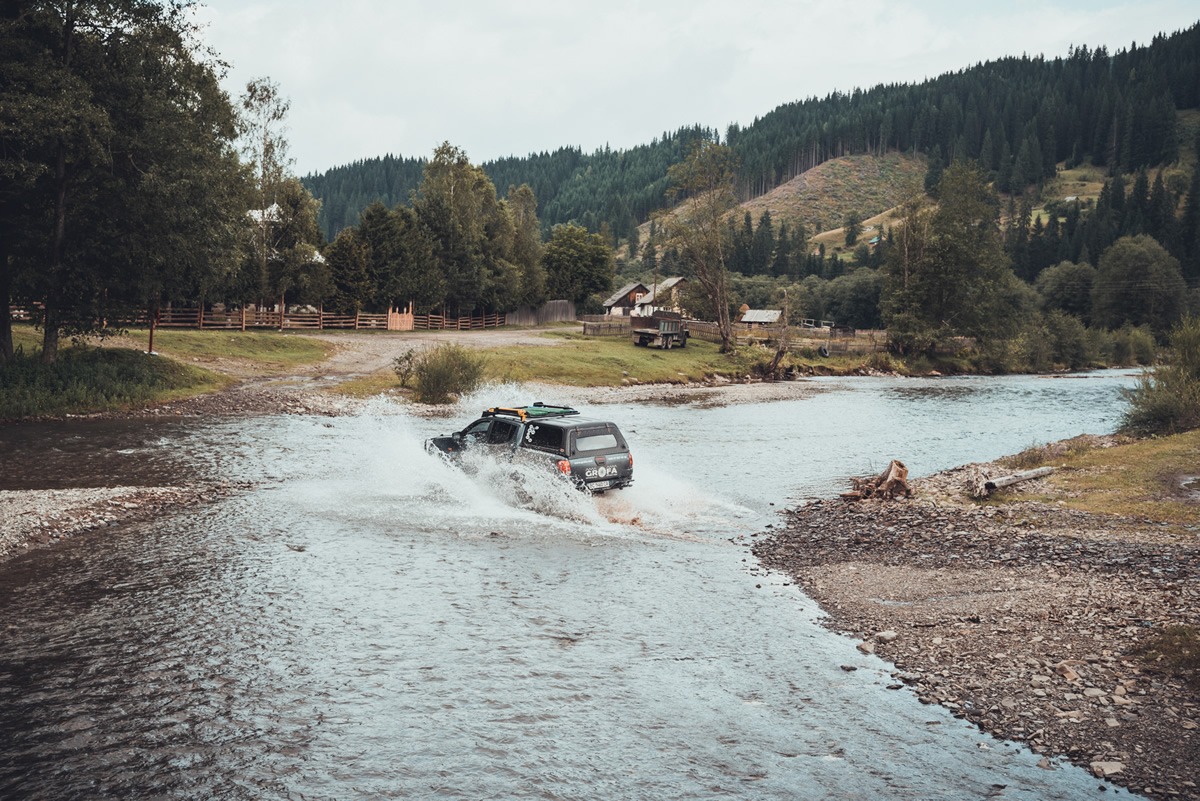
x=599, y=485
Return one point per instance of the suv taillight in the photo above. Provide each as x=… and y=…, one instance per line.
x=564, y=467
x=631, y=460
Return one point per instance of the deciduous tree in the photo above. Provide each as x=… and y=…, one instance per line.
x=578, y=264
x=1140, y=283
x=117, y=159
x=703, y=186
x=947, y=274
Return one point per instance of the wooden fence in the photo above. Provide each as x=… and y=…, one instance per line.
x=607, y=326
x=438, y=322
x=834, y=340
x=393, y=320
x=552, y=311
x=243, y=319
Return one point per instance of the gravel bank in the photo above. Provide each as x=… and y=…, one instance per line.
x=33, y=518
x=1023, y=618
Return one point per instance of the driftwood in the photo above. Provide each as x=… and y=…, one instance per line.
x=891, y=482
x=986, y=486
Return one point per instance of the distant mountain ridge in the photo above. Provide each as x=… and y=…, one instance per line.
x=1019, y=117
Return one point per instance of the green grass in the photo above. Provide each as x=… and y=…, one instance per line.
x=367, y=386
x=607, y=361
x=120, y=376
x=269, y=349
x=1139, y=479
x=85, y=380
x=577, y=360
x=1174, y=650
x=26, y=338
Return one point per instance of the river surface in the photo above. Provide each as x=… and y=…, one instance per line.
x=368, y=622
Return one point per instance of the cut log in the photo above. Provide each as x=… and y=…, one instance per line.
x=990, y=485
x=891, y=482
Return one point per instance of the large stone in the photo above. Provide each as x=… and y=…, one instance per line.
x=1066, y=671
x=1105, y=769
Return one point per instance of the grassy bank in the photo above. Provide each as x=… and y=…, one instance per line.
x=121, y=376
x=582, y=361
x=575, y=360
x=268, y=350
x=86, y=380
x=1141, y=479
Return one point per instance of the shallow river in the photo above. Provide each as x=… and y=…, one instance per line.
x=370, y=623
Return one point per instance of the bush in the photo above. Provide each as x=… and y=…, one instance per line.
x=1036, y=349
x=882, y=362
x=445, y=372
x=1132, y=346
x=1068, y=340
x=403, y=365
x=1167, y=400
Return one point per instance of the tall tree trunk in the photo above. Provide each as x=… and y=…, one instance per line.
x=50, y=322
x=153, y=325
x=6, y=337
x=49, y=335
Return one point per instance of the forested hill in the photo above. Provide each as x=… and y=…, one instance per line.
x=614, y=186
x=1018, y=117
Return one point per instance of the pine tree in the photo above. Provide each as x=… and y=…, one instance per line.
x=763, y=247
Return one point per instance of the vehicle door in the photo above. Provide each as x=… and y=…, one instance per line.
x=476, y=433
x=503, y=433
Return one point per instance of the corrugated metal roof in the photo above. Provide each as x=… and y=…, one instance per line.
x=762, y=316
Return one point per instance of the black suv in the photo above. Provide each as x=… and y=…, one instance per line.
x=592, y=453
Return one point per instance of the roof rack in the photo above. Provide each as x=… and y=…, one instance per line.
x=537, y=410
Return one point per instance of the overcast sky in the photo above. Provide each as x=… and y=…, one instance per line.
x=371, y=77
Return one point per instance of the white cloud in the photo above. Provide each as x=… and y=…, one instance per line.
x=368, y=78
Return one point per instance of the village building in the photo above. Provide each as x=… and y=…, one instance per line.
x=623, y=301
x=760, y=317
x=666, y=295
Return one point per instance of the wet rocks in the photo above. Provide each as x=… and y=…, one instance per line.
x=29, y=518
x=1024, y=619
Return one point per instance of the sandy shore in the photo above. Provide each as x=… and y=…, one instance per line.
x=1024, y=618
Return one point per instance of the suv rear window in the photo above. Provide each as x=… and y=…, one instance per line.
x=543, y=437
x=595, y=440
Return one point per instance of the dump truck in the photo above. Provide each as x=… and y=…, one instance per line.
x=668, y=331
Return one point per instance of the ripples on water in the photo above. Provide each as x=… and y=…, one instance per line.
x=372, y=622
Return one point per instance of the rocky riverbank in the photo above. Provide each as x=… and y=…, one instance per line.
x=1025, y=618
x=33, y=518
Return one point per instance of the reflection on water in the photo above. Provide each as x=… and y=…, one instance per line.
x=375, y=623
x=93, y=453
